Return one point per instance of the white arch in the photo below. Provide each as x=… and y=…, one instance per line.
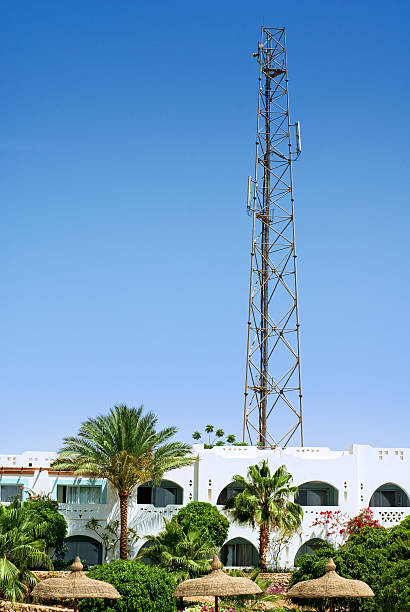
x=395, y=485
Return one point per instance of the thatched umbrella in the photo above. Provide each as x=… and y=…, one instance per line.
x=330, y=585
x=74, y=586
x=216, y=584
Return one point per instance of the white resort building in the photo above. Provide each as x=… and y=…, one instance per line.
x=328, y=480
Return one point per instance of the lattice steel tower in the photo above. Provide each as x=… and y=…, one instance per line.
x=273, y=393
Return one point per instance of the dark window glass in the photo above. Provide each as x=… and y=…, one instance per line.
x=309, y=547
x=229, y=491
x=144, y=495
x=389, y=495
x=239, y=553
x=316, y=494
x=85, y=547
x=9, y=492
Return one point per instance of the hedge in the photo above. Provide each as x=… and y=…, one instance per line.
x=144, y=588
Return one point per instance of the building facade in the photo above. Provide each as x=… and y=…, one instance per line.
x=328, y=480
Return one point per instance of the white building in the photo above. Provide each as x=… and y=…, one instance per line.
x=327, y=480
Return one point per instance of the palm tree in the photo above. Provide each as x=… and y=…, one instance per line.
x=21, y=547
x=179, y=549
x=124, y=448
x=264, y=503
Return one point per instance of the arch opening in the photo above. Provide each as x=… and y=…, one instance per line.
x=231, y=490
x=389, y=495
x=239, y=552
x=85, y=547
x=308, y=547
x=167, y=494
x=316, y=493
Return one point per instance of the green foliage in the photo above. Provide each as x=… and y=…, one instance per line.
x=264, y=503
x=205, y=518
x=144, y=588
x=21, y=548
x=264, y=499
x=110, y=534
x=45, y=509
x=239, y=602
x=124, y=448
x=180, y=549
x=217, y=440
x=379, y=557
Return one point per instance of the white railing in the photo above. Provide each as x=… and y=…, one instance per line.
x=147, y=519
x=84, y=511
x=388, y=516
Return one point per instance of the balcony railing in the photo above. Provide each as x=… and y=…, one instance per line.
x=146, y=518
x=390, y=516
x=84, y=511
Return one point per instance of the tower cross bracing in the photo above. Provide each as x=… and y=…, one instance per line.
x=273, y=392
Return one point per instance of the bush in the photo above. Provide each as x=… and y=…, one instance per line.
x=205, y=518
x=379, y=557
x=144, y=588
x=42, y=507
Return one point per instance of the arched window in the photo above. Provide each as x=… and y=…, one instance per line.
x=309, y=547
x=317, y=494
x=231, y=490
x=85, y=547
x=239, y=553
x=168, y=493
x=389, y=495
x=146, y=560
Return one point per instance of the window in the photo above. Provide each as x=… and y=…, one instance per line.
x=229, y=491
x=239, y=553
x=85, y=547
x=78, y=494
x=389, y=495
x=309, y=547
x=9, y=492
x=169, y=493
x=316, y=494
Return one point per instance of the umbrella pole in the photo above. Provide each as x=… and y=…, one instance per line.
x=75, y=604
x=330, y=604
x=216, y=603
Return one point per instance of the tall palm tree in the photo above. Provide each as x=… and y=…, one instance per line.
x=21, y=547
x=265, y=503
x=180, y=549
x=124, y=448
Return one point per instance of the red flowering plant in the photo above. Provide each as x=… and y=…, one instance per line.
x=338, y=523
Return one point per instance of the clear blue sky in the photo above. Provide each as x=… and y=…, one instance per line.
x=127, y=133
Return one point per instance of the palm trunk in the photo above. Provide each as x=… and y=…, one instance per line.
x=263, y=546
x=123, y=495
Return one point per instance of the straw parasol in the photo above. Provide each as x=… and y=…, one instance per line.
x=330, y=585
x=74, y=586
x=216, y=584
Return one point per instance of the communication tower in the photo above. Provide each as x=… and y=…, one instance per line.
x=273, y=392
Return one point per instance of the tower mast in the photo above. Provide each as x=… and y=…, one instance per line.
x=273, y=391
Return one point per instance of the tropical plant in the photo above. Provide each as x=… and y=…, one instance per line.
x=180, y=549
x=246, y=602
x=379, y=557
x=264, y=503
x=110, y=534
x=339, y=523
x=44, y=508
x=143, y=588
x=217, y=439
x=124, y=448
x=205, y=518
x=21, y=548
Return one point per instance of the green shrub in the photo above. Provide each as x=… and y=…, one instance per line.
x=144, y=588
x=41, y=507
x=379, y=557
x=205, y=518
